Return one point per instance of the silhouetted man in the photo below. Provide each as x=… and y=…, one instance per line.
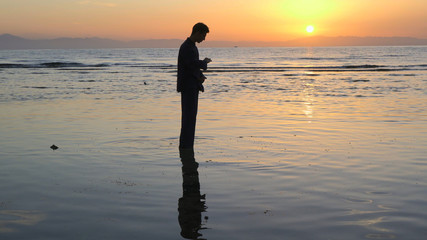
x=190, y=82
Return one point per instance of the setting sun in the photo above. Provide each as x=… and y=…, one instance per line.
x=309, y=28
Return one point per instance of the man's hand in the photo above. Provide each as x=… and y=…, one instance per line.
x=202, y=79
x=207, y=60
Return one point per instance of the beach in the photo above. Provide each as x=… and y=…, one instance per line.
x=291, y=143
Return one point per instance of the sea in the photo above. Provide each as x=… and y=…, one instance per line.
x=291, y=143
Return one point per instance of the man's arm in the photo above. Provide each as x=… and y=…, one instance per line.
x=192, y=61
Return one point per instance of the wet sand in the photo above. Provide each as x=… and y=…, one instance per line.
x=117, y=171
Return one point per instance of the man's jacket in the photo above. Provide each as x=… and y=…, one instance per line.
x=189, y=66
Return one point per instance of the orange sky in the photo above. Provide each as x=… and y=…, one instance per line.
x=236, y=20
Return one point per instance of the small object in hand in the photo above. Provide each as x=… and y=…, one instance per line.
x=54, y=147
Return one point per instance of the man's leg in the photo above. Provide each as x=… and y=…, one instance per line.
x=189, y=104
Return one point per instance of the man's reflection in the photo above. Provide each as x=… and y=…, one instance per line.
x=191, y=204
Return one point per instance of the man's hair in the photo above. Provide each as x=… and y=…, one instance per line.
x=200, y=27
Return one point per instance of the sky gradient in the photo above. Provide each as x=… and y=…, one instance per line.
x=237, y=20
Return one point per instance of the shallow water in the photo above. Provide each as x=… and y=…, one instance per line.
x=292, y=143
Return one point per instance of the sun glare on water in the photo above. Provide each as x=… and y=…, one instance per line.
x=309, y=28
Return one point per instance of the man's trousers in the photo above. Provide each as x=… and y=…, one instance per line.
x=189, y=104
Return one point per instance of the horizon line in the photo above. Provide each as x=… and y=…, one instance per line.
x=145, y=39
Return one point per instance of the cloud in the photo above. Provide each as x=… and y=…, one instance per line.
x=98, y=3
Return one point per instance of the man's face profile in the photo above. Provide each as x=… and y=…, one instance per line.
x=200, y=37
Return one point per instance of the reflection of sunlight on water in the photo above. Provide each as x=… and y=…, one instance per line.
x=308, y=99
x=309, y=52
x=308, y=111
x=372, y=224
x=18, y=217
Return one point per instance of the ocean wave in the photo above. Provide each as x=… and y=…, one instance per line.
x=362, y=66
x=414, y=65
x=343, y=68
x=217, y=68
x=52, y=65
x=319, y=58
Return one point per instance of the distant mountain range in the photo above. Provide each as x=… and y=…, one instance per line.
x=8, y=41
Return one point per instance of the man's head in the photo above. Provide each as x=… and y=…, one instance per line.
x=199, y=32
